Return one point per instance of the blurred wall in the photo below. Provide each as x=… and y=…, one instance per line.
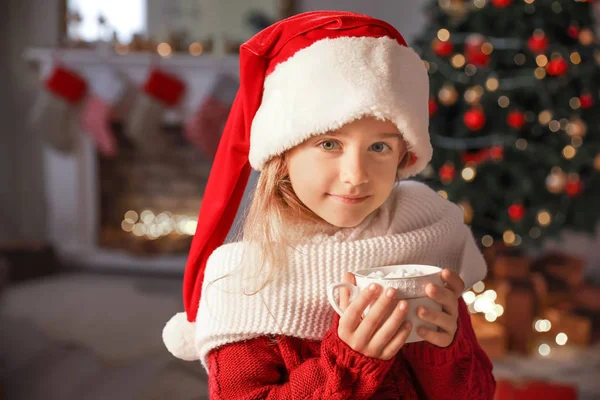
x=23, y=23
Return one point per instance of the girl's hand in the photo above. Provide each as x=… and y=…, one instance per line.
x=383, y=331
x=446, y=319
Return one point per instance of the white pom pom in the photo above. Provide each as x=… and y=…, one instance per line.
x=178, y=335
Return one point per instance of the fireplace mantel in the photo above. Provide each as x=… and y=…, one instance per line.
x=71, y=180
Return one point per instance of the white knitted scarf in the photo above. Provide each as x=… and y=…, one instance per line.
x=415, y=225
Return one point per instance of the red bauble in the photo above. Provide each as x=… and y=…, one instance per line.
x=441, y=48
x=501, y=3
x=516, y=212
x=432, y=106
x=557, y=66
x=473, y=52
x=474, y=119
x=538, y=43
x=573, y=31
x=586, y=100
x=497, y=152
x=447, y=172
x=573, y=188
x=515, y=119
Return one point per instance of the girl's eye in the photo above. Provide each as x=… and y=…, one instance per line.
x=329, y=145
x=380, y=147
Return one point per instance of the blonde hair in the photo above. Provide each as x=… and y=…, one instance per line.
x=274, y=204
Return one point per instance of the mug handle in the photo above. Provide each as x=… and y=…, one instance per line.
x=331, y=288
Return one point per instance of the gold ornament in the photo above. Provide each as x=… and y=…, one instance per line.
x=473, y=94
x=456, y=9
x=586, y=37
x=576, y=128
x=467, y=211
x=544, y=218
x=448, y=95
x=556, y=181
x=597, y=162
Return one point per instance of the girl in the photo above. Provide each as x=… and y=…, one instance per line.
x=332, y=109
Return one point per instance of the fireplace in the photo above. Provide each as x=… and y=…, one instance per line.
x=135, y=211
x=148, y=203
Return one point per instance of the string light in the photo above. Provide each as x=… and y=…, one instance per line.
x=458, y=61
x=542, y=325
x=487, y=241
x=535, y=232
x=443, y=34
x=561, y=339
x=154, y=226
x=521, y=144
x=484, y=302
x=519, y=59
x=544, y=218
x=554, y=125
x=164, y=49
x=468, y=174
x=569, y=152
x=503, y=101
x=540, y=73
x=544, y=349
x=196, y=49
x=492, y=84
x=541, y=60
x=479, y=287
x=509, y=237
x=545, y=117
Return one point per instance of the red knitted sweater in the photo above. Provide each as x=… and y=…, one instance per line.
x=284, y=367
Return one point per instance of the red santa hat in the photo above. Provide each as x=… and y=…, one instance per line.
x=301, y=77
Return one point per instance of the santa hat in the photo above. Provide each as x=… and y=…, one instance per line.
x=303, y=76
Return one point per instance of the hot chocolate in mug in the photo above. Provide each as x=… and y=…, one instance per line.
x=409, y=280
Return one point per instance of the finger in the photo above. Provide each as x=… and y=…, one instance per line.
x=352, y=316
x=377, y=314
x=453, y=281
x=440, y=339
x=397, y=341
x=438, y=318
x=390, y=326
x=345, y=292
x=444, y=297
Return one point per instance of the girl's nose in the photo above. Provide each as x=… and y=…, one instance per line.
x=353, y=169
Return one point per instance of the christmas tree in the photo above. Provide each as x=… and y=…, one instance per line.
x=514, y=115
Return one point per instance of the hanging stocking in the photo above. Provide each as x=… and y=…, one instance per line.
x=107, y=89
x=144, y=126
x=55, y=108
x=204, y=126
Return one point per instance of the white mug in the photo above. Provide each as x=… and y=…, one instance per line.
x=411, y=289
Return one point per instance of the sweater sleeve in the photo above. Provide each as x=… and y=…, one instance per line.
x=459, y=371
x=256, y=369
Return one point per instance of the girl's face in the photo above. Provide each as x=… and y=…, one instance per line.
x=344, y=175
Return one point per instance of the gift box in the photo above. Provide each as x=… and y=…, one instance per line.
x=519, y=299
x=506, y=262
x=588, y=298
x=534, y=390
x=578, y=328
x=562, y=272
x=491, y=337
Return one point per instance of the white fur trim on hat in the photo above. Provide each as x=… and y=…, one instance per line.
x=336, y=81
x=179, y=337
